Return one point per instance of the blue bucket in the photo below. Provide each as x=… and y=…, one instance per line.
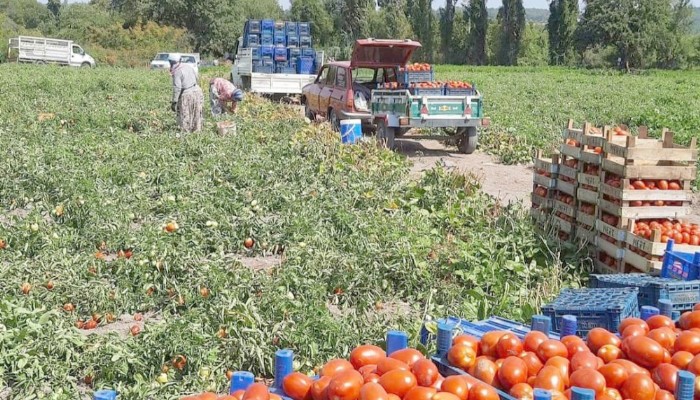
x=350, y=131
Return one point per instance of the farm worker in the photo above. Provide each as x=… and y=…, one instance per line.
x=188, y=99
x=222, y=91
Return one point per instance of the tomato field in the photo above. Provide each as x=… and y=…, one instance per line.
x=135, y=258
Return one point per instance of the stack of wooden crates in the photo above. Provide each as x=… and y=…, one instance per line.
x=603, y=181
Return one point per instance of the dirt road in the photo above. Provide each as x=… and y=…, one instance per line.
x=508, y=183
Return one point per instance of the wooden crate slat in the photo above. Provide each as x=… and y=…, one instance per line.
x=645, y=195
x=564, y=226
x=588, y=179
x=610, y=249
x=587, y=196
x=564, y=208
x=670, y=172
x=612, y=231
x=641, y=263
x=549, y=183
x=566, y=187
x=643, y=212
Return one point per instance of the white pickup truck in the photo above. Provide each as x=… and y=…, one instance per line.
x=40, y=50
x=242, y=76
x=160, y=61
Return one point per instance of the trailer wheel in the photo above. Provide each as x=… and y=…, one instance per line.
x=467, y=140
x=385, y=134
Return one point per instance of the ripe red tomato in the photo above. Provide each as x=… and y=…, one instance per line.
x=375, y=391
x=468, y=340
x=407, y=355
x=257, y=391
x=549, y=378
x=634, y=330
x=419, y=393
x=481, y=391
x=426, y=372
x=345, y=385
x=574, y=344
x=336, y=366
x=461, y=356
x=374, y=378
x=398, y=382
x=613, y=393
x=366, y=355
x=588, y=378
x=690, y=320
x=665, y=376
x=522, y=391
x=660, y=321
x=484, y=369
x=585, y=359
x=627, y=322
x=664, y=336
x=681, y=359
x=532, y=341
x=551, y=348
x=563, y=365
x=457, y=386
x=615, y=375
x=489, y=341
x=509, y=345
x=534, y=365
x=513, y=371
x=664, y=395
x=599, y=337
x=638, y=387
x=688, y=341
x=297, y=386
x=644, y=351
x=609, y=352
x=445, y=396
x=390, y=364
x=631, y=367
x=367, y=369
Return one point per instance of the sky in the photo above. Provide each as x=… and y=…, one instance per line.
x=437, y=3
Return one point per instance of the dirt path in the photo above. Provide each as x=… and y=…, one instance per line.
x=506, y=182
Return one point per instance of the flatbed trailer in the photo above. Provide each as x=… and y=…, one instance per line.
x=395, y=111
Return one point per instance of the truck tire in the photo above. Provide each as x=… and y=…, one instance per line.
x=308, y=113
x=40, y=62
x=468, y=139
x=333, y=119
x=85, y=65
x=386, y=135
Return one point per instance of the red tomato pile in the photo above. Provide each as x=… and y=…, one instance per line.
x=681, y=233
x=427, y=85
x=645, y=184
x=458, y=85
x=418, y=67
x=642, y=364
x=256, y=391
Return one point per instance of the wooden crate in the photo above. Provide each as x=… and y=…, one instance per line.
x=615, y=250
x=585, y=234
x=546, y=165
x=587, y=196
x=601, y=266
x=649, y=212
x=643, y=263
x=568, y=168
x=545, y=181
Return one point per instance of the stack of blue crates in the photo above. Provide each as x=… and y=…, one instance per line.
x=280, y=46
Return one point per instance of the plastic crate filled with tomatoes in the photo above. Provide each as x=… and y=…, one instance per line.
x=416, y=72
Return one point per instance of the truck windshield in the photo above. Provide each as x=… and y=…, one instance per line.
x=162, y=57
x=188, y=59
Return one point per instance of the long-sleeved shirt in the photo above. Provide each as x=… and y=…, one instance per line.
x=223, y=89
x=184, y=79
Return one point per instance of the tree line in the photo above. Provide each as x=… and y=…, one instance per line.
x=625, y=33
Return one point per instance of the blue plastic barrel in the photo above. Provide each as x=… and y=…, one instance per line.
x=685, y=386
x=648, y=312
x=350, y=133
x=240, y=380
x=104, y=395
x=541, y=394
x=666, y=307
x=395, y=340
x=578, y=393
x=284, y=365
x=541, y=323
x=569, y=325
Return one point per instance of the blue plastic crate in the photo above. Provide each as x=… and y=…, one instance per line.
x=267, y=52
x=478, y=328
x=292, y=41
x=304, y=28
x=682, y=294
x=281, y=54
x=304, y=41
x=446, y=369
x=682, y=266
x=308, y=52
x=291, y=28
x=285, y=69
x=279, y=26
x=305, y=65
x=604, y=308
x=255, y=53
x=251, y=40
x=266, y=39
x=253, y=26
x=458, y=91
x=415, y=76
x=427, y=91
x=279, y=40
x=264, y=69
x=267, y=25
x=293, y=53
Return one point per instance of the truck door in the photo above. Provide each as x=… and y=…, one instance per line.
x=327, y=91
x=76, y=56
x=315, y=89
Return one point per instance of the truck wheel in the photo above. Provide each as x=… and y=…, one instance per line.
x=333, y=118
x=308, y=113
x=468, y=138
x=85, y=65
x=385, y=134
x=40, y=62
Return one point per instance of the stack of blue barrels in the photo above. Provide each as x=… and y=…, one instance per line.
x=282, y=47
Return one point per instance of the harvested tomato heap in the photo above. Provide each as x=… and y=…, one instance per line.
x=418, y=67
x=458, y=85
x=681, y=233
x=427, y=85
x=641, y=364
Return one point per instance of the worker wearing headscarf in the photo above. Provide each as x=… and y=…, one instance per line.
x=221, y=92
x=188, y=98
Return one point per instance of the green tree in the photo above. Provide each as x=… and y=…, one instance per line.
x=28, y=14
x=636, y=28
x=314, y=12
x=677, y=45
x=447, y=20
x=511, y=17
x=54, y=6
x=476, y=15
x=421, y=16
x=390, y=22
x=561, y=29
x=534, y=47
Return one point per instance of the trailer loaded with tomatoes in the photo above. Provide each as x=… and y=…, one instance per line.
x=417, y=100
